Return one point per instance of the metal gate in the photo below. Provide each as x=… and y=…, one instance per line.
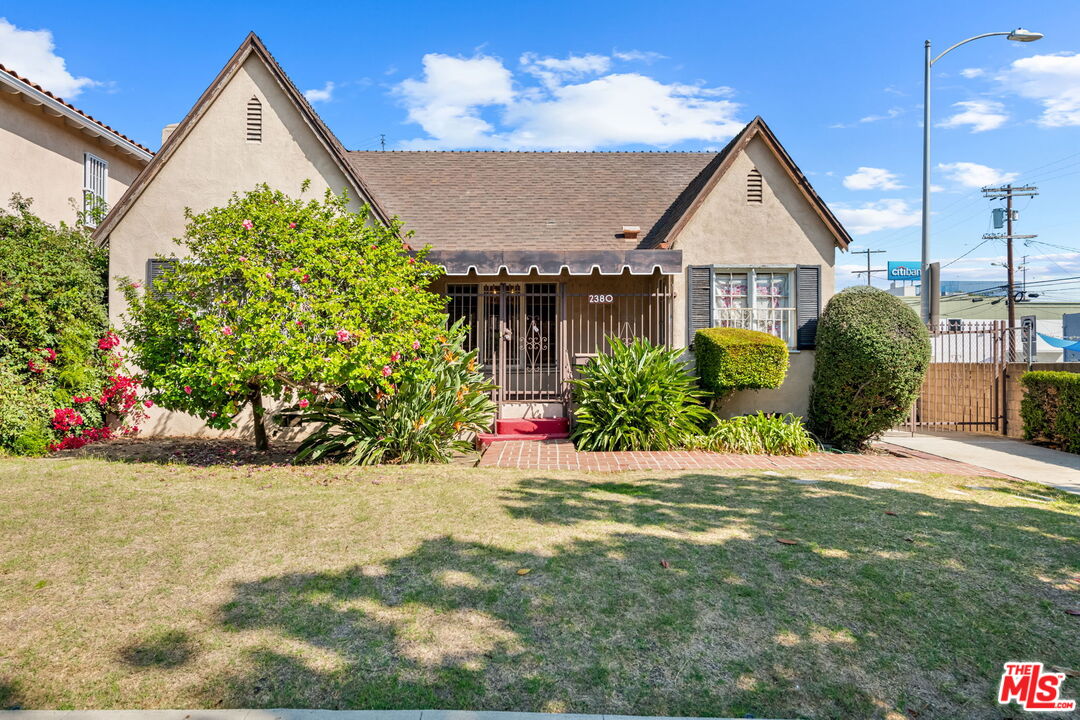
x=965, y=387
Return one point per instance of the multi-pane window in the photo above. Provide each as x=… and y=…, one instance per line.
x=755, y=299
x=95, y=181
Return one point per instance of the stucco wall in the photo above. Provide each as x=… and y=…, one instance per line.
x=211, y=163
x=41, y=157
x=783, y=230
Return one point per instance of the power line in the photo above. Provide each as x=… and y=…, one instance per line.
x=868, y=271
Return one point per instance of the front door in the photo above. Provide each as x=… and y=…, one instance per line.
x=515, y=327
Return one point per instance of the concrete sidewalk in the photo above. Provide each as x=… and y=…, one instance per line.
x=302, y=715
x=1007, y=456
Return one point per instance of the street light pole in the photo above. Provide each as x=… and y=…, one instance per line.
x=1017, y=35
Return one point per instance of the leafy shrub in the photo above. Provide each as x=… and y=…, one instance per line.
x=638, y=397
x=52, y=326
x=276, y=295
x=425, y=418
x=730, y=359
x=1051, y=408
x=757, y=434
x=872, y=355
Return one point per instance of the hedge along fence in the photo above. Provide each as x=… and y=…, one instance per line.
x=1051, y=408
x=730, y=359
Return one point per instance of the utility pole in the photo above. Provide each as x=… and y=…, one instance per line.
x=382, y=141
x=1007, y=193
x=868, y=271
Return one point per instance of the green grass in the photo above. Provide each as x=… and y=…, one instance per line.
x=150, y=585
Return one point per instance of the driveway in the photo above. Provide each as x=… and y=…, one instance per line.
x=1007, y=456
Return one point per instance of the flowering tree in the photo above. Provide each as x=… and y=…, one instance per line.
x=282, y=298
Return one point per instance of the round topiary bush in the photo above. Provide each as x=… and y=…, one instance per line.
x=872, y=355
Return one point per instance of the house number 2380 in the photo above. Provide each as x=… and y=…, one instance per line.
x=601, y=299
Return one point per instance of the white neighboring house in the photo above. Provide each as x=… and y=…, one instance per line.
x=62, y=158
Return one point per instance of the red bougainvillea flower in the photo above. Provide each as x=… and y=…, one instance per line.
x=34, y=367
x=306, y=278
x=248, y=225
x=386, y=371
x=415, y=344
x=412, y=261
x=394, y=357
x=81, y=399
x=109, y=341
x=49, y=353
x=187, y=389
x=148, y=403
x=303, y=403
x=292, y=226
x=344, y=336
x=226, y=330
x=299, y=323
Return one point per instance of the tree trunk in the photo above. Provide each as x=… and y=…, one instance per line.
x=262, y=443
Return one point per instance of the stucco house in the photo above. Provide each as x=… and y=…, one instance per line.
x=545, y=252
x=62, y=158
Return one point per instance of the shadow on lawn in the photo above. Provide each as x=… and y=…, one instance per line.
x=687, y=606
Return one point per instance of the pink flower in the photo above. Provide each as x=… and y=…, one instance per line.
x=299, y=323
x=248, y=225
x=269, y=276
x=306, y=278
x=109, y=341
x=386, y=371
x=304, y=403
x=50, y=354
x=415, y=344
x=242, y=258
x=34, y=367
x=148, y=403
x=292, y=226
x=296, y=269
x=344, y=336
x=412, y=261
x=81, y=399
x=395, y=290
x=394, y=357
x=226, y=330
x=135, y=285
x=187, y=389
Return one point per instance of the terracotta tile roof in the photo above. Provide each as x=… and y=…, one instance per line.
x=60, y=100
x=528, y=200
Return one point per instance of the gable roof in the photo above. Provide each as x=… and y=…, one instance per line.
x=15, y=83
x=252, y=45
x=667, y=229
x=469, y=200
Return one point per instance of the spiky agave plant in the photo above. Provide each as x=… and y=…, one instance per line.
x=427, y=418
x=639, y=396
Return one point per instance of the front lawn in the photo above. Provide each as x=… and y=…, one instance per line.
x=126, y=584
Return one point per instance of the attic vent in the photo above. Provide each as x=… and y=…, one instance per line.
x=753, y=187
x=254, y=120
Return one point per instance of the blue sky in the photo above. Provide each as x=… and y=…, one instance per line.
x=840, y=82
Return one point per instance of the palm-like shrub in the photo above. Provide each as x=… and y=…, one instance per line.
x=638, y=397
x=426, y=418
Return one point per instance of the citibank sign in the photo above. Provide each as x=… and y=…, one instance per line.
x=904, y=270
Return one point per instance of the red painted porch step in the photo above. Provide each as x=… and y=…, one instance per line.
x=526, y=429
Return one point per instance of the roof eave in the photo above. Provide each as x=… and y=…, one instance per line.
x=61, y=110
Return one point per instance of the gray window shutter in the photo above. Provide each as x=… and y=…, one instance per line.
x=699, y=299
x=155, y=268
x=807, y=305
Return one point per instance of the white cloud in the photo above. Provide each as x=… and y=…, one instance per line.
x=326, y=94
x=579, y=104
x=889, y=214
x=970, y=73
x=32, y=54
x=888, y=115
x=869, y=178
x=974, y=175
x=1053, y=80
x=981, y=115
x=645, y=56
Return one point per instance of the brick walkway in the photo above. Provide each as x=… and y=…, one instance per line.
x=561, y=455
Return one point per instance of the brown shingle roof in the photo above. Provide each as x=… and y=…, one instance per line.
x=60, y=100
x=528, y=200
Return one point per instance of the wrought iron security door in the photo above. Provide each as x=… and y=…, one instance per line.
x=515, y=326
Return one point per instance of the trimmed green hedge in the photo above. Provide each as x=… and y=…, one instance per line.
x=1051, y=408
x=730, y=359
x=872, y=356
